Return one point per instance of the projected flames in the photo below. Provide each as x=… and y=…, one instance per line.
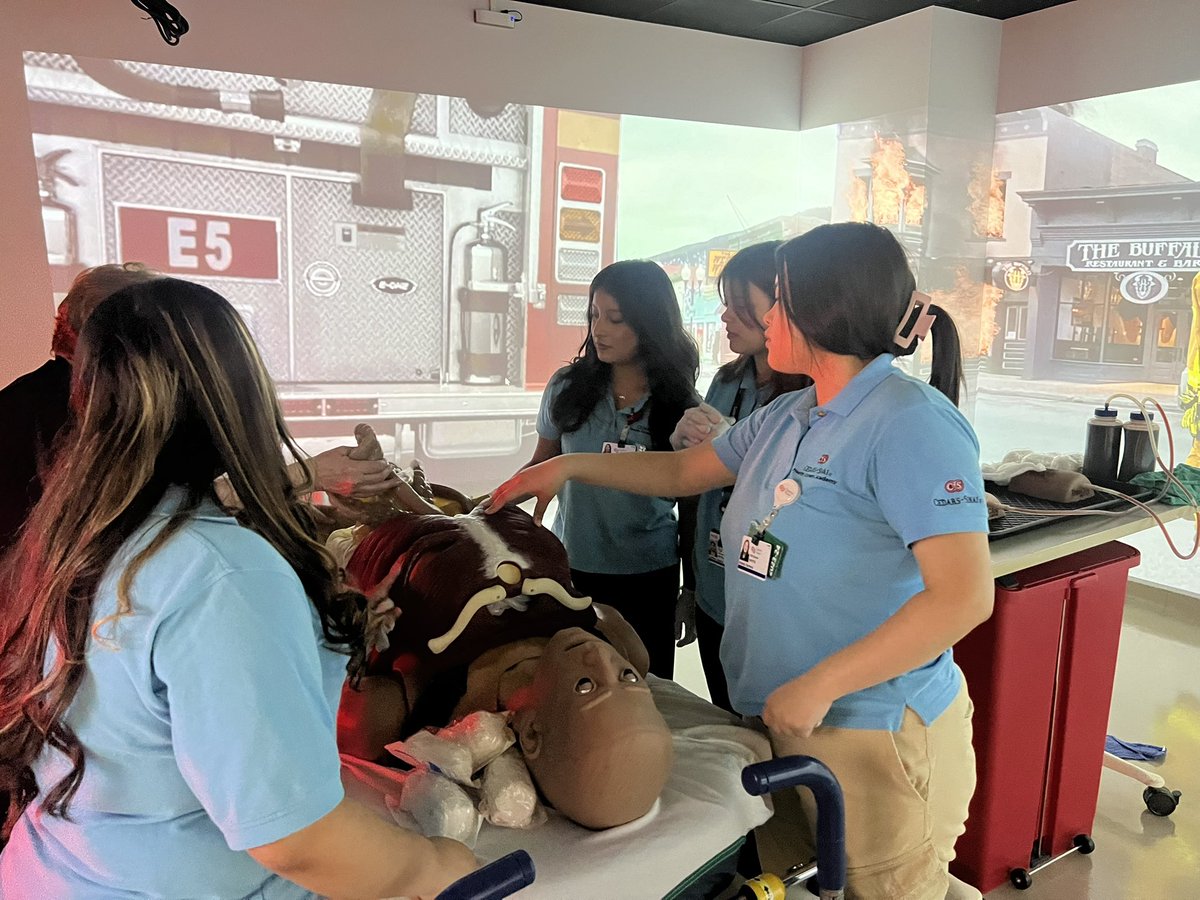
x=987, y=190
x=892, y=196
x=972, y=305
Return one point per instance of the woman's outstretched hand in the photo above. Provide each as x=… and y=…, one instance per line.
x=542, y=481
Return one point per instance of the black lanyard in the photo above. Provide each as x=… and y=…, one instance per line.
x=632, y=419
x=733, y=414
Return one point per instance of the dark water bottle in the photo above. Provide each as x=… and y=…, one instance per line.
x=1102, y=451
x=1138, y=455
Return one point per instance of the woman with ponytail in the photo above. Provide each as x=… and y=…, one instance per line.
x=856, y=553
x=169, y=675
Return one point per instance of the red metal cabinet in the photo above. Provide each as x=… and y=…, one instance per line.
x=1040, y=672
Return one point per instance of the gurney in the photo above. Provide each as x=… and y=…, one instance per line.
x=688, y=840
x=515, y=871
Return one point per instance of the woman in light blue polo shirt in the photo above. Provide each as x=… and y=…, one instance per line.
x=170, y=675
x=856, y=541
x=747, y=290
x=634, y=377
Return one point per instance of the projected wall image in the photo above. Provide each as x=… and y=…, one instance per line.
x=416, y=261
x=1066, y=246
x=1094, y=258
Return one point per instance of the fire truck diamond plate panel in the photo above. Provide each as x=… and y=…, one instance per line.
x=138, y=181
x=509, y=125
x=347, y=327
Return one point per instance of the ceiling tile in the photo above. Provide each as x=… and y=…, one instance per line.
x=1000, y=9
x=786, y=21
x=621, y=9
x=875, y=10
x=807, y=28
x=738, y=17
x=799, y=4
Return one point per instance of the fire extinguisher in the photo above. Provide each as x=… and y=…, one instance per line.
x=58, y=218
x=483, y=303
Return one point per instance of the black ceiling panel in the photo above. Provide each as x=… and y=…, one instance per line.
x=798, y=22
x=621, y=9
x=807, y=28
x=713, y=15
x=874, y=10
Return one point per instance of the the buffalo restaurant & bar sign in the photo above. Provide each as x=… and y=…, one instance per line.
x=1146, y=255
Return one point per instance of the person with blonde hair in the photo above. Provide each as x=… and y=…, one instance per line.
x=169, y=675
x=34, y=409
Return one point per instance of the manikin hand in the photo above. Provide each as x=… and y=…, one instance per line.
x=699, y=424
x=798, y=706
x=685, y=617
x=542, y=481
x=336, y=473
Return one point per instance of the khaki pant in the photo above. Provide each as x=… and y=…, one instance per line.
x=906, y=794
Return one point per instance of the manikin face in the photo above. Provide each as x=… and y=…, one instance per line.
x=594, y=741
x=744, y=339
x=616, y=342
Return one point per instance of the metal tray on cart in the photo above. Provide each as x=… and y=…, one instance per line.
x=1016, y=522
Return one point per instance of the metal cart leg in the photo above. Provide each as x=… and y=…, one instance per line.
x=795, y=771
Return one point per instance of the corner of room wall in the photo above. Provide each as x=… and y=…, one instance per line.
x=876, y=70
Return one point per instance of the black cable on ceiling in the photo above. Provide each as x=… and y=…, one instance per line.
x=171, y=24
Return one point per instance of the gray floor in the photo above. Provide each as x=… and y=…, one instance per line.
x=1156, y=700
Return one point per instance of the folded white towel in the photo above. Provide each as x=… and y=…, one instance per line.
x=1017, y=462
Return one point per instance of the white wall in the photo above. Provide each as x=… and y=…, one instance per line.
x=553, y=58
x=1092, y=48
x=932, y=58
x=867, y=73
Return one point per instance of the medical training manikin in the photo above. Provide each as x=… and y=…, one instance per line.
x=489, y=622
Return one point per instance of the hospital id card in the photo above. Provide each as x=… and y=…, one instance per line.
x=761, y=557
x=618, y=447
x=716, y=551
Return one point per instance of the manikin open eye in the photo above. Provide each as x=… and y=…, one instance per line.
x=585, y=686
x=630, y=676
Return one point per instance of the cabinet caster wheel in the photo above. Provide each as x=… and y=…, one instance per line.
x=1084, y=844
x=1021, y=879
x=1160, y=801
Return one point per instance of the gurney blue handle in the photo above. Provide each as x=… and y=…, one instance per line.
x=790, y=771
x=498, y=879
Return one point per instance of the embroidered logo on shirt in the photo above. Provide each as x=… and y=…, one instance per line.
x=955, y=486
x=823, y=459
x=818, y=472
x=956, y=501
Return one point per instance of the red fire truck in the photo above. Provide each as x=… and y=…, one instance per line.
x=414, y=261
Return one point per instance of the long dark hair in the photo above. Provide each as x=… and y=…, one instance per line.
x=846, y=288
x=168, y=390
x=753, y=265
x=666, y=352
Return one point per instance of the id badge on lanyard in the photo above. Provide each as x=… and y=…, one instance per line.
x=621, y=445
x=761, y=553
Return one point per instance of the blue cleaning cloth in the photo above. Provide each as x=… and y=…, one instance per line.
x=1133, y=751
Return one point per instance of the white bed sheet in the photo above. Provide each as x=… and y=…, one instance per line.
x=702, y=811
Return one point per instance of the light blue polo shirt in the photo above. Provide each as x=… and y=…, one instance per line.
x=745, y=396
x=888, y=462
x=208, y=727
x=606, y=531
